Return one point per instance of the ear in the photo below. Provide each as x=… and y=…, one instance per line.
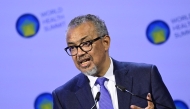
x=106, y=42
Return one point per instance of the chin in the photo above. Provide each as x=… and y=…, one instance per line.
x=90, y=72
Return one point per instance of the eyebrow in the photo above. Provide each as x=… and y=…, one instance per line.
x=78, y=41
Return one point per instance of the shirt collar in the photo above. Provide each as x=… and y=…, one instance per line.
x=109, y=75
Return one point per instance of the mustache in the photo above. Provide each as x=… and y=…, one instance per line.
x=83, y=57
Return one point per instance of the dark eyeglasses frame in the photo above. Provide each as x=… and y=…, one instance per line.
x=79, y=46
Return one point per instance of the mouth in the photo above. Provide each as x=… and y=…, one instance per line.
x=84, y=62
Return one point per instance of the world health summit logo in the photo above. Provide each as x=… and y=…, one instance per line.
x=27, y=25
x=158, y=32
x=180, y=104
x=44, y=101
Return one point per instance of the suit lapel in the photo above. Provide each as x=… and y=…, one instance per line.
x=123, y=79
x=84, y=94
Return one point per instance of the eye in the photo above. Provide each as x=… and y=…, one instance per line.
x=86, y=44
x=71, y=48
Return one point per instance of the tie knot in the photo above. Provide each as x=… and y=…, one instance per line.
x=101, y=81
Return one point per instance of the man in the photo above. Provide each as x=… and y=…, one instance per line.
x=88, y=44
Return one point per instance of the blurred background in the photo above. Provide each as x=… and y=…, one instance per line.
x=32, y=40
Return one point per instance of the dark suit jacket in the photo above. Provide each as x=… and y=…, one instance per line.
x=140, y=79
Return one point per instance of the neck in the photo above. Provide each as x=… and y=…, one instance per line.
x=104, y=67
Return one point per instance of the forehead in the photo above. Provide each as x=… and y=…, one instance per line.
x=75, y=34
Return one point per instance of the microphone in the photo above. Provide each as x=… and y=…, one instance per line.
x=97, y=98
x=123, y=89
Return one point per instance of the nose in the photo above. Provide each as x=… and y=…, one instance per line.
x=80, y=52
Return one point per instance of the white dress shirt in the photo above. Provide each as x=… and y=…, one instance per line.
x=110, y=85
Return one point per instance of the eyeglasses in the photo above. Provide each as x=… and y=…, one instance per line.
x=84, y=46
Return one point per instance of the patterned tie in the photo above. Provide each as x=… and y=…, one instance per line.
x=105, y=99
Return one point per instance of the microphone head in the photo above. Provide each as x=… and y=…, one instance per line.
x=123, y=89
x=97, y=98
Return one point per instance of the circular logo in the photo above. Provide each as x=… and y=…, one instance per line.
x=158, y=32
x=180, y=104
x=27, y=25
x=44, y=101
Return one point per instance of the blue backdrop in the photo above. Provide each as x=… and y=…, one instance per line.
x=32, y=41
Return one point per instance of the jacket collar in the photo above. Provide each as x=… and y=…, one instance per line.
x=121, y=71
x=83, y=93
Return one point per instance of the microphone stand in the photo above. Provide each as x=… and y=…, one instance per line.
x=123, y=89
x=97, y=98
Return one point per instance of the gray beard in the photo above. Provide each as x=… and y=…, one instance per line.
x=91, y=72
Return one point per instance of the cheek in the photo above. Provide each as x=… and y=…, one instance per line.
x=98, y=53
